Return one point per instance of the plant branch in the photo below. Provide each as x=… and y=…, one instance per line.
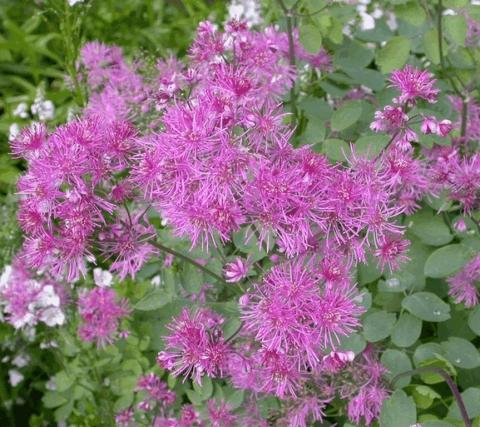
x=448, y=379
x=464, y=112
x=188, y=259
x=291, y=54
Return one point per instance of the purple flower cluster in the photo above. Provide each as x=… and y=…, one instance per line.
x=101, y=313
x=464, y=286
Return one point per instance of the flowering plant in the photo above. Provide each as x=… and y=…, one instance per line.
x=273, y=230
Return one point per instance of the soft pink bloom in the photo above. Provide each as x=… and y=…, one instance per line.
x=414, y=84
x=101, y=314
x=195, y=346
x=464, y=284
x=236, y=270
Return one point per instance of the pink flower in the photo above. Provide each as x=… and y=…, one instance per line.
x=336, y=360
x=101, y=314
x=463, y=285
x=367, y=404
x=444, y=127
x=220, y=415
x=429, y=125
x=30, y=142
x=195, y=346
x=414, y=84
x=391, y=252
x=236, y=271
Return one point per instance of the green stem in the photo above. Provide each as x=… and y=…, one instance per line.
x=189, y=260
x=291, y=55
x=448, y=380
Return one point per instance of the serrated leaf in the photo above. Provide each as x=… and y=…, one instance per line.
x=394, y=54
x=346, y=115
x=427, y=306
x=446, y=261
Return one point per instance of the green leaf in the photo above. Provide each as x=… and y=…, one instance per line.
x=194, y=397
x=394, y=54
x=353, y=342
x=371, y=146
x=437, y=362
x=205, y=390
x=62, y=413
x=63, y=381
x=430, y=46
x=474, y=320
x=378, y=325
x=352, y=56
x=235, y=399
x=335, y=149
x=123, y=402
x=427, y=306
x=471, y=398
x=315, y=108
x=412, y=12
x=446, y=261
x=462, y=353
x=247, y=242
x=424, y=396
x=367, y=77
x=430, y=228
x=398, y=411
x=397, y=362
x=53, y=399
x=456, y=28
x=407, y=330
x=153, y=300
x=345, y=116
x=311, y=38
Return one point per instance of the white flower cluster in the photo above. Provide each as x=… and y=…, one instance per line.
x=42, y=110
x=43, y=306
x=245, y=10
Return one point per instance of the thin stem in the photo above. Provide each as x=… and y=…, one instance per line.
x=388, y=145
x=448, y=379
x=464, y=113
x=188, y=259
x=291, y=54
x=308, y=15
x=231, y=337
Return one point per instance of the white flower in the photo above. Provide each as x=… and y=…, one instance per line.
x=21, y=110
x=21, y=360
x=245, y=10
x=51, y=384
x=13, y=131
x=74, y=2
x=52, y=316
x=48, y=297
x=102, y=278
x=15, y=377
x=156, y=281
x=5, y=277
